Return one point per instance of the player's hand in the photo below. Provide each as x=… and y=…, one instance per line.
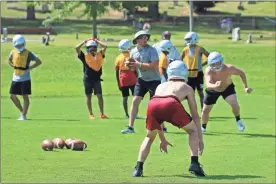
x=248, y=90
x=218, y=83
x=201, y=147
x=163, y=146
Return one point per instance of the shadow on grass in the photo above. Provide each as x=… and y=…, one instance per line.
x=46, y=119
x=213, y=177
x=225, y=118
x=250, y=135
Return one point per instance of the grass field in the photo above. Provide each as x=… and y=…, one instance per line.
x=58, y=110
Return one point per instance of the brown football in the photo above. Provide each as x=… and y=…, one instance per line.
x=68, y=143
x=78, y=145
x=59, y=143
x=47, y=145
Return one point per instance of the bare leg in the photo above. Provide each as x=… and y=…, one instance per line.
x=201, y=96
x=134, y=109
x=101, y=103
x=191, y=129
x=16, y=102
x=26, y=104
x=144, y=152
x=125, y=105
x=89, y=104
x=205, y=114
x=232, y=100
x=146, y=145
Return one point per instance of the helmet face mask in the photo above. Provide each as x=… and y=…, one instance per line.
x=190, y=39
x=91, y=49
x=216, y=67
x=166, y=46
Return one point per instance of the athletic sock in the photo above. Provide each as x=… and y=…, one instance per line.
x=139, y=165
x=194, y=159
x=129, y=127
x=204, y=126
x=238, y=118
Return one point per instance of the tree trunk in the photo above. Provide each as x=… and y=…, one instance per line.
x=31, y=13
x=95, y=34
x=153, y=10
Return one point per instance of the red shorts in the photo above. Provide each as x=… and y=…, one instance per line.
x=166, y=108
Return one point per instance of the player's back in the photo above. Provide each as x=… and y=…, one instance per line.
x=175, y=88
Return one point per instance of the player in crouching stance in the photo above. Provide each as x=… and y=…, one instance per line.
x=125, y=77
x=219, y=83
x=20, y=59
x=166, y=105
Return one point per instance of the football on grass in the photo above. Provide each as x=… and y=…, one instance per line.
x=59, y=143
x=47, y=145
x=78, y=145
x=68, y=143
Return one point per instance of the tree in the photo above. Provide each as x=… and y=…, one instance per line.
x=31, y=10
x=92, y=10
x=153, y=10
x=200, y=6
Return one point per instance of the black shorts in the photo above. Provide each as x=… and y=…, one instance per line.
x=21, y=88
x=142, y=87
x=196, y=82
x=211, y=96
x=92, y=86
x=125, y=90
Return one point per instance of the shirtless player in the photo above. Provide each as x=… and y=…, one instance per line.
x=219, y=83
x=166, y=105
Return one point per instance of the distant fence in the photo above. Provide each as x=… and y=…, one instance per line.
x=30, y=31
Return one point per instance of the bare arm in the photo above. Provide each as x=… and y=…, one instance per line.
x=37, y=63
x=205, y=53
x=103, y=45
x=10, y=62
x=236, y=71
x=161, y=135
x=194, y=113
x=78, y=47
x=117, y=77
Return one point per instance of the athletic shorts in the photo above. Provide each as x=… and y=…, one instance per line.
x=92, y=86
x=211, y=96
x=166, y=108
x=142, y=87
x=21, y=88
x=125, y=90
x=196, y=82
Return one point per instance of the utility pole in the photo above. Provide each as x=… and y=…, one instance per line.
x=191, y=16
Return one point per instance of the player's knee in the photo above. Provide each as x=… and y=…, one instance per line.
x=100, y=97
x=13, y=97
x=136, y=101
x=206, y=110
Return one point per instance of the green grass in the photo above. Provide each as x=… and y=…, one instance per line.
x=58, y=110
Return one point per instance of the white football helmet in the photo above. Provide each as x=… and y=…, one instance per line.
x=177, y=70
x=124, y=45
x=91, y=46
x=190, y=38
x=91, y=43
x=215, y=61
x=166, y=46
x=19, y=43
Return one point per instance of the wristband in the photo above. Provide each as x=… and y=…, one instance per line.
x=140, y=65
